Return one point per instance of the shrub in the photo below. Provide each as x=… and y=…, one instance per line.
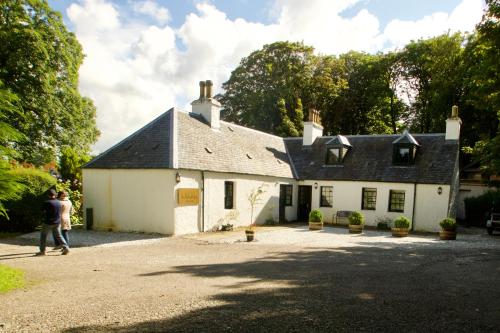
x=401, y=222
x=448, y=224
x=356, y=218
x=26, y=212
x=315, y=216
x=226, y=227
x=477, y=208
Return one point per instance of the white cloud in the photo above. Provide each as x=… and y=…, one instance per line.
x=463, y=18
x=151, y=8
x=134, y=71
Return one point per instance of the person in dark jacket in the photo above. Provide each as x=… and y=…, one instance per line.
x=52, y=209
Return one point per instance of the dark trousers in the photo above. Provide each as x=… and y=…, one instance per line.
x=54, y=228
x=64, y=234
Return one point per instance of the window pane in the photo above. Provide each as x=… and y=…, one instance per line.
x=228, y=195
x=333, y=156
x=369, y=198
x=396, y=201
x=326, y=199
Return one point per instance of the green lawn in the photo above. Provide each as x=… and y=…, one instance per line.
x=10, y=278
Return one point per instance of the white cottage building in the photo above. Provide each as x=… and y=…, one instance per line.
x=191, y=172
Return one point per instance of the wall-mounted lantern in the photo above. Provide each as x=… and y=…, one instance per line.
x=177, y=177
x=315, y=186
x=440, y=190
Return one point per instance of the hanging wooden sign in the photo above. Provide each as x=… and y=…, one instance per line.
x=188, y=196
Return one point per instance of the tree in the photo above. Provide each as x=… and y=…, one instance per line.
x=10, y=185
x=39, y=61
x=483, y=88
x=267, y=89
x=431, y=71
x=70, y=165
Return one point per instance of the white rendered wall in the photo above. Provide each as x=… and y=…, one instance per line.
x=453, y=128
x=130, y=200
x=431, y=207
x=347, y=195
x=188, y=218
x=243, y=185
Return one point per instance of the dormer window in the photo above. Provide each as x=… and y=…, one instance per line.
x=405, y=149
x=336, y=150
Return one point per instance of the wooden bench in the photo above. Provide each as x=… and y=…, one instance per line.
x=342, y=217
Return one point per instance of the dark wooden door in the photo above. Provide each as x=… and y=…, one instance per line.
x=281, y=217
x=304, y=204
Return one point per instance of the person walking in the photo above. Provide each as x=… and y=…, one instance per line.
x=52, y=209
x=66, y=211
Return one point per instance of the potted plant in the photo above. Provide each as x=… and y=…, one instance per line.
x=448, y=229
x=315, y=220
x=254, y=198
x=401, y=227
x=356, y=223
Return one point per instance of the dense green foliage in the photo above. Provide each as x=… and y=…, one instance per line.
x=483, y=87
x=478, y=208
x=315, y=216
x=39, y=61
x=359, y=93
x=10, y=187
x=10, y=278
x=356, y=218
x=448, y=224
x=26, y=212
x=71, y=162
x=401, y=222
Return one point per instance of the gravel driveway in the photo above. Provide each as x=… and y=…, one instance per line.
x=291, y=279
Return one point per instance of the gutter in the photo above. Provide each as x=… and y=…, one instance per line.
x=414, y=202
x=203, y=201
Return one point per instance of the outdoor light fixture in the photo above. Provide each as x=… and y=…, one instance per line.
x=315, y=186
x=440, y=190
x=177, y=177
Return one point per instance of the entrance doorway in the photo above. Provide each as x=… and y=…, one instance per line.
x=304, y=204
x=281, y=216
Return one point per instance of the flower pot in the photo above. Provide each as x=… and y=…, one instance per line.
x=399, y=232
x=355, y=228
x=315, y=225
x=447, y=235
x=250, y=235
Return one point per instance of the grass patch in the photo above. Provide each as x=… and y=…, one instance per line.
x=10, y=278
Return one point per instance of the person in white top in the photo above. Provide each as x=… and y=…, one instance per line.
x=66, y=211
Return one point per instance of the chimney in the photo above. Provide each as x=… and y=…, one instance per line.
x=312, y=128
x=453, y=125
x=206, y=106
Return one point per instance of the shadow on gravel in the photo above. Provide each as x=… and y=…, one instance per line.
x=86, y=238
x=343, y=289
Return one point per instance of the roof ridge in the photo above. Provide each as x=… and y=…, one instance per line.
x=251, y=129
x=151, y=123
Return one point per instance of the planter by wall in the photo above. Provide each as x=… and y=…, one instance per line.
x=399, y=232
x=315, y=225
x=355, y=228
x=447, y=235
x=250, y=235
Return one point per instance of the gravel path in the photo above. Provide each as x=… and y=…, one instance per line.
x=291, y=279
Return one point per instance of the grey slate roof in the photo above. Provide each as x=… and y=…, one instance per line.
x=148, y=148
x=181, y=140
x=370, y=159
x=233, y=148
